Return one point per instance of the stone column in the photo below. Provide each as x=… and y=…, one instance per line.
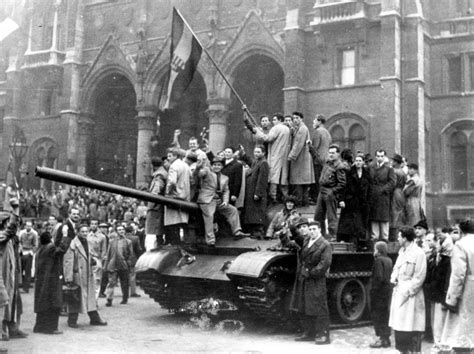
x=218, y=113
x=146, y=130
x=85, y=131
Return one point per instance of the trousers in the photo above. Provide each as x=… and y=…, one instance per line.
x=113, y=279
x=229, y=212
x=379, y=230
x=326, y=207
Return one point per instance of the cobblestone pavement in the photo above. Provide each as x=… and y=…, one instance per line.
x=142, y=326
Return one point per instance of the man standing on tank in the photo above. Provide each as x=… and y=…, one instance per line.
x=309, y=297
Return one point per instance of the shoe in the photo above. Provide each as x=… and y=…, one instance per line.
x=109, y=303
x=240, y=234
x=304, y=338
x=102, y=295
x=73, y=325
x=54, y=332
x=135, y=295
x=381, y=343
x=98, y=323
x=322, y=339
x=18, y=334
x=123, y=302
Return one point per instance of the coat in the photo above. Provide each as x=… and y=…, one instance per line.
x=78, y=270
x=412, y=193
x=309, y=294
x=397, y=203
x=279, y=144
x=233, y=170
x=154, y=224
x=48, y=283
x=178, y=187
x=320, y=139
x=381, y=289
x=301, y=162
x=256, y=185
x=119, y=254
x=7, y=261
x=383, y=182
x=354, y=218
x=208, y=186
x=407, y=310
x=459, y=327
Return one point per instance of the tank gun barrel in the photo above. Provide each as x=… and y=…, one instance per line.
x=81, y=181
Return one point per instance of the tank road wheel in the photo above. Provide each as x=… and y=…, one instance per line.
x=350, y=299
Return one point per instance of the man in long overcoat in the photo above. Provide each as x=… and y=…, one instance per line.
x=459, y=326
x=279, y=143
x=301, y=162
x=154, y=225
x=383, y=182
x=309, y=297
x=48, y=292
x=256, y=193
x=77, y=270
x=234, y=170
x=177, y=187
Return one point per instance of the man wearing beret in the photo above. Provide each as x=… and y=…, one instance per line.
x=309, y=297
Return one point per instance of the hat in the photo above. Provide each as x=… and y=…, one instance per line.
x=421, y=223
x=397, y=158
x=103, y=224
x=218, y=159
x=301, y=221
x=413, y=166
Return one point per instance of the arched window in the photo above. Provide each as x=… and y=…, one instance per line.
x=357, y=138
x=458, y=144
x=337, y=134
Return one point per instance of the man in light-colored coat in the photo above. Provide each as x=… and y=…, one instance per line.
x=458, y=330
x=77, y=269
x=301, y=162
x=178, y=187
x=279, y=143
x=407, y=310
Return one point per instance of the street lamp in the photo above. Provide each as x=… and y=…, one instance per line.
x=18, y=149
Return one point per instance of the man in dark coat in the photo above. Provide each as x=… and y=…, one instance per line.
x=256, y=193
x=383, y=183
x=309, y=297
x=48, y=292
x=233, y=170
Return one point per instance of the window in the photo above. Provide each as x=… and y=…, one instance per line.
x=337, y=134
x=348, y=130
x=47, y=106
x=459, y=160
x=347, y=66
x=357, y=138
x=454, y=74
x=471, y=73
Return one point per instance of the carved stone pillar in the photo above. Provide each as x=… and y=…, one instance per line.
x=218, y=113
x=146, y=120
x=85, y=130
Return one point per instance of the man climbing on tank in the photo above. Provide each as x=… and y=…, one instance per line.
x=309, y=297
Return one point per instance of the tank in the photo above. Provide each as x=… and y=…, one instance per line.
x=255, y=275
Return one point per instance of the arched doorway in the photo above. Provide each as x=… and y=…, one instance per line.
x=259, y=81
x=189, y=116
x=44, y=152
x=115, y=131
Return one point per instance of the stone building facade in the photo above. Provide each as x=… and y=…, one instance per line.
x=82, y=80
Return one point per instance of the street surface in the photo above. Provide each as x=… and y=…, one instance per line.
x=142, y=326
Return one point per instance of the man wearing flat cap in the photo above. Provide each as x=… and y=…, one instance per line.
x=309, y=297
x=412, y=192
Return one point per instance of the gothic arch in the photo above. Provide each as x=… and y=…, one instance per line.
x=90, y=86
x=43, y=152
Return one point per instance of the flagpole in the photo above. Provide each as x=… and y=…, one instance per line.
x=217, y=68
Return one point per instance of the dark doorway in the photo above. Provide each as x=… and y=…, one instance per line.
x=189, y=116
x=259, y=82
x=115, y=131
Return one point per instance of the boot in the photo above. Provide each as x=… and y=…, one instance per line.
x=323, y=338
x=305, y=337
x=5, y=332
x=15, y=332
x=95, y=319
x=109, y=303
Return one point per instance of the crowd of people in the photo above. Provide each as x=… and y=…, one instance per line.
x=358, y=199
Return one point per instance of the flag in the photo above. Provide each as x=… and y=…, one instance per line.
x=185, y=53
x=7, y=27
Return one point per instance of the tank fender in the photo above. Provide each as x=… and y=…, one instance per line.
x=158, y=260
x=253, y=264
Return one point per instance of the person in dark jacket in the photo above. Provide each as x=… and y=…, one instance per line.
x=232, y=169
x=256, y=193
x=309, y=297
x=380, y=295
x=331, y=188
x=48, y=291
x=354, y=219
x=137, y=252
